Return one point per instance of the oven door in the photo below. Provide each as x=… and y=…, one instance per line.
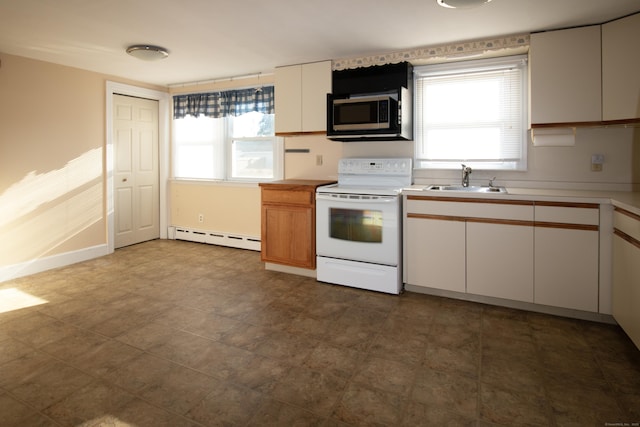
x=358, y=227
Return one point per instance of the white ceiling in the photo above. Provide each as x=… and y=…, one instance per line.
x=211, y=39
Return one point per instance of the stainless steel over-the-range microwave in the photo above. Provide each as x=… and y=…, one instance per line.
x=365, y=113
x=369, y=117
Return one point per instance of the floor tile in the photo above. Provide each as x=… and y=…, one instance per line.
x=11, y=349
x=17, y=414
x=276, y=414
x=419, y=414
x=464, y=359
x=293, y=348
x=511, y=408
x=92, y=401
x=363, y=406
x=387, y=375
x=339, y=361
x=172, y=333
x=226, y=404
x=401, y=347
x=313, y=390
x=446, y=390
x=50, y=385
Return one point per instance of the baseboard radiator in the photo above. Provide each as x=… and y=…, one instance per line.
x=215, y=238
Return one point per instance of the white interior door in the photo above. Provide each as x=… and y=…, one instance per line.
x=136, y=178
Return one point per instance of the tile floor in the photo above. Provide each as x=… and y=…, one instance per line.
x=170, y=333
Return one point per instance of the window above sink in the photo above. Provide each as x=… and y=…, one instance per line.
x=473, y=112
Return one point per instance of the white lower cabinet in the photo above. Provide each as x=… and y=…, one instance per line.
x=500, y=260
x=440, y=265
x=544, y=253
x=567, y=255
x=626, y=273
x=566, y=272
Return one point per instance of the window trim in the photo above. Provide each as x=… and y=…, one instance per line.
x=461, y=67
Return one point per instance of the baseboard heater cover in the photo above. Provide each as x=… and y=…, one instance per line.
x=216, y=238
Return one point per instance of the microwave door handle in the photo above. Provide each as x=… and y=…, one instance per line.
x=390, y=199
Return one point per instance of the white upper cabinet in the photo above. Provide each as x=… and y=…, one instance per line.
x=621, y=69
x=565, y=76
x=301, y=97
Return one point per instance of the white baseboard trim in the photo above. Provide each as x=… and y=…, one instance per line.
x=215, y=238
x=38, y=265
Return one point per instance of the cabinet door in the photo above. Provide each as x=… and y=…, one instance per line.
x=500, y=260
x=566, y=268
x=316, y=84
x=288, y=101
x=288, y=235
x=301, y=97
x=626, y=286
x=621, y=69
x=566, y=77
x=436, y=253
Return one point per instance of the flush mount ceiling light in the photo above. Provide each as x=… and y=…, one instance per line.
x=462, y=4
x=147, y=52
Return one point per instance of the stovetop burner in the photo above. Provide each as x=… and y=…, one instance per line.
x=371, y=176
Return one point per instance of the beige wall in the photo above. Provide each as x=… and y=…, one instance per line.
x=567, y=167
x=52, y=141
x=301, y=165
x=227, y=208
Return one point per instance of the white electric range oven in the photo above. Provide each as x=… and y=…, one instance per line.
x=358, y=224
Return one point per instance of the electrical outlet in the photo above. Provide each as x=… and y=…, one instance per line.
x=596, y=162
x=318, y=159
x=200, y=218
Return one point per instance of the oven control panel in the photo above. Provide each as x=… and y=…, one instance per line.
x=393, y=166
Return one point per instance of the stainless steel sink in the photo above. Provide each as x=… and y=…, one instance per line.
x=470, y=189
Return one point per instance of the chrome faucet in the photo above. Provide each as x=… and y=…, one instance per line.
x=466, y=171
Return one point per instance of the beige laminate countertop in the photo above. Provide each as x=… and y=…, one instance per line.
x=623, y=199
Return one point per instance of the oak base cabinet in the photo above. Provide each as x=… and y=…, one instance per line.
x=288, y=231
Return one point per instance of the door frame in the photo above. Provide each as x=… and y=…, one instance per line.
x=163, y=98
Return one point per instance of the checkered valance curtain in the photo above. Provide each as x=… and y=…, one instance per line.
x=222, y=104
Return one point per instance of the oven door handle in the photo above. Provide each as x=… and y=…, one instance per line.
x=383, y=199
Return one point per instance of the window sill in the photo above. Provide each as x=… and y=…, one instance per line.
x=215, y=182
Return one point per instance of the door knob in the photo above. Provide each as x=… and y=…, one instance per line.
x=124, y=179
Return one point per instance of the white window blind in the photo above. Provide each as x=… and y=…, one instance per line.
x=472, y=112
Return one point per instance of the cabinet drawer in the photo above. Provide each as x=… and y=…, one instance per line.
x=627, y=222
x=580, y=214
x=428, y=207
x=469, y=209
x=305, y=198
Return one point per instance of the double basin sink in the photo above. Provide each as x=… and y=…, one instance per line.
x=470, y=189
